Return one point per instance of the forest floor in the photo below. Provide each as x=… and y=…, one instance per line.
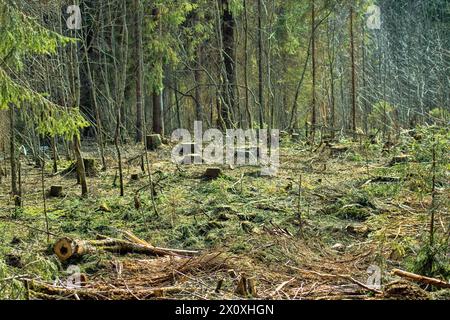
x=359, y=219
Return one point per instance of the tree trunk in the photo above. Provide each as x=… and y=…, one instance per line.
x=157, y=114
x=260, y=67
x=228, y=25
x=13, y=159
x=80, y=166
x=247, y=105
x=139, y=78
x=313, y=55
x=198, y=79
x=352, y=49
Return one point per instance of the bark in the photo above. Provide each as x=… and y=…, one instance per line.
x=80, y=166
x=13, y=159
x=247, y=105
x=422, y=279
x=313, y=55
x=228, y=26
x=352, y=51
x=260, y=67
x=139, y=69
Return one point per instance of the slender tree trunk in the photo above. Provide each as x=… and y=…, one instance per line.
x=198, y=79
x=81, y=172
x=247, y=105
x=96, y=108
x=313, y=55
x=13, y=159
x=80, y=166
x=55, y=155
x=352, y=51
x=139, y=78
x=260, y=67
x=157, y=113
x=119, y=155
x=158, y=122
x=228, y=26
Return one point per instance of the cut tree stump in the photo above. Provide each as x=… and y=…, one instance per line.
x=153, y=142
x=338, y=150
x=89, y=166
x=212, y=173
x=56, y=191
x=403, y=158
x=295, y=137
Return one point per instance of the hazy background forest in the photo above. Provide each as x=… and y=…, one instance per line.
x=358, y=89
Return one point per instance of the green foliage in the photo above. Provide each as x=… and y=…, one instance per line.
x=162, y=44
x=21, y=36
x=432, y=261
x=382, y=114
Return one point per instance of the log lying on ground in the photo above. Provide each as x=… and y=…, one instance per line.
x=422, y=279
x=66, y=248
x=93, y=293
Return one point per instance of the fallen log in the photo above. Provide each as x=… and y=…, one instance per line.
x=66, y=248
x=338, y=276
x=422, y=279
x=93, y=293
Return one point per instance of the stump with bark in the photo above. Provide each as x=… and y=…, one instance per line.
x=212, y=173
x=55, y=191
x=403, y=158
x=153, y=142
x=89, y=167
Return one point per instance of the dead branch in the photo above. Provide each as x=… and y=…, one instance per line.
x=422, y=279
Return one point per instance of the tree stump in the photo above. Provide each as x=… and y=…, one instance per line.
x=89, y=167
x=55, y=191
x=153, y=142
x=212, y=173
x=338, y=150
x=295, y=137
x=134, y=177
x=403, y=158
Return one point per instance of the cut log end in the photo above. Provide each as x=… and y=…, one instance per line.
x=64, y=249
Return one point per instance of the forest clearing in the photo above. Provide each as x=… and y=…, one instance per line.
x=318, y=243
x=317, y=168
